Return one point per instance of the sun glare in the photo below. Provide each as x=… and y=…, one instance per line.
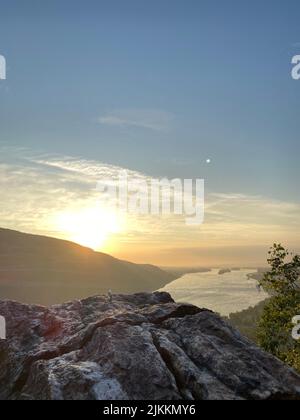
x=91, y=227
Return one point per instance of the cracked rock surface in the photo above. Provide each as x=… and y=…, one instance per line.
x=140, y=347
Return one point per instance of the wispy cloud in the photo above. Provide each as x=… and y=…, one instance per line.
x=34, y=190
x=149, y=119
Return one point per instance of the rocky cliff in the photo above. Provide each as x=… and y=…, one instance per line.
x=143, y=346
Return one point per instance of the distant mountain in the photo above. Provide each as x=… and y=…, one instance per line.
x=182, y=271
x=43, y=270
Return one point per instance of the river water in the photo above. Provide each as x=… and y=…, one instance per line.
x=225, y=294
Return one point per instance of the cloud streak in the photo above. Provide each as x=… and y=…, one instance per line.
x=37, y=189
x=148, y=119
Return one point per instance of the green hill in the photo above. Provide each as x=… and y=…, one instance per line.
x=247, y=321
x=43, y=270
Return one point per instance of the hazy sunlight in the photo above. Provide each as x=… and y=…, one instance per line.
x=90, y=227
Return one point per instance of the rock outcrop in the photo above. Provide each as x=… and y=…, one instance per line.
x=141, y=347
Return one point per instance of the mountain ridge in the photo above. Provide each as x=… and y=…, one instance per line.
x=45, y=270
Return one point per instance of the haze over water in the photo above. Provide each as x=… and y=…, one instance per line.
x=225, y=294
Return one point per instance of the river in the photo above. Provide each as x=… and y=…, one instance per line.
x=225, y=294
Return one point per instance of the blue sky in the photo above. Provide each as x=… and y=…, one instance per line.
x=158, y=87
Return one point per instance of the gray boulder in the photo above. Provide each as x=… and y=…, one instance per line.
x=140, y=347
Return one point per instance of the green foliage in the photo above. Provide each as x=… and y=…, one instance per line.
x=275, y=326
x=247, y=320
x=283, y=276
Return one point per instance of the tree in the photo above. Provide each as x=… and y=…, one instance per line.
x=276, y=325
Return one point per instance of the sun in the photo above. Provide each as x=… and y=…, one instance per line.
x=90, y=227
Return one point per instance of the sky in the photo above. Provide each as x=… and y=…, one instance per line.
x=157, y=88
